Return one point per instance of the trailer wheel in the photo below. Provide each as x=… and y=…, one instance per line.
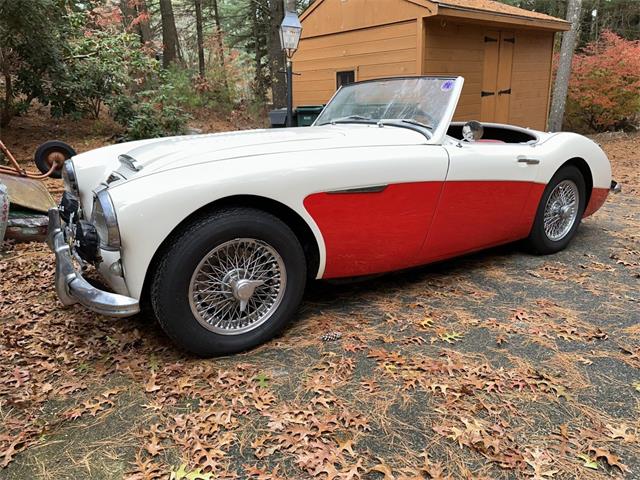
x=50, y=153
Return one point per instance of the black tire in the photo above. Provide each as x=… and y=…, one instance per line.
x=538, y=240
x=43, y=159
x=172, y=278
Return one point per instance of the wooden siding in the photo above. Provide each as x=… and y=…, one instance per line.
x=334, y=16
x=386, y=38
x=531, y=76
x=383, y=51
x=457, y=49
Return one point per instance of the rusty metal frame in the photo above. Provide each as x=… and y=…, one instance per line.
x=14, y=167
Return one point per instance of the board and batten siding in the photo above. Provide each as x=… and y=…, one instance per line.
x=531, y=79
x=457, y=49
x=375, y=52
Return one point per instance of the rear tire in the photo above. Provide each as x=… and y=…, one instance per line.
x=559, y=212
x=229, y=282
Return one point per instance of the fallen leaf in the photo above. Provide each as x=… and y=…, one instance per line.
x=588, y=461
x=385, y=470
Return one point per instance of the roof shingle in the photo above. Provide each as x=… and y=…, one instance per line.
x=497, y=7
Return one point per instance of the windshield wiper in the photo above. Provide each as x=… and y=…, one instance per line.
x=348, y=119
x=414, y=125
x=416, y=122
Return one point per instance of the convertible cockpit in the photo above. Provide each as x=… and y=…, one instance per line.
x=492, y=132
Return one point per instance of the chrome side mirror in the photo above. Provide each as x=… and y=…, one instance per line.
x=472, y=131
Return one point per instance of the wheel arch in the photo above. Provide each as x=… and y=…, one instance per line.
x=582, y=165
x=278, y=209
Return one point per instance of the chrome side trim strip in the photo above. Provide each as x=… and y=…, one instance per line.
x=371, y=189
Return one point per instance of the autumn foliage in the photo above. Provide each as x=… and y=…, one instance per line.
x=604, y=90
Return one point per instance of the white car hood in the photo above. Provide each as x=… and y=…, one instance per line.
x=177, y=152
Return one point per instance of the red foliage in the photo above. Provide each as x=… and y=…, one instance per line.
x=106, y=16
x=141, y=18
x=604, y=90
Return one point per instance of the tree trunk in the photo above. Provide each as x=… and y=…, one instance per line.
x=135, y=17
x=128, y=13
x=259, y=82
x=564, y=66
x=170, y=49
x=216, y=19
x=144, y=23
x=276, y=55
x=200, y=38
x=7, y=111
x=6, y=114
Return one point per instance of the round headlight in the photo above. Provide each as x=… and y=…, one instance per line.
x=69, y=178
x=104, y=219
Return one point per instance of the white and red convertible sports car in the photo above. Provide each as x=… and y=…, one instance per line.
x=221, y=232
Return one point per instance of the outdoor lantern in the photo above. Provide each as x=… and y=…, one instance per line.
x=290, y=31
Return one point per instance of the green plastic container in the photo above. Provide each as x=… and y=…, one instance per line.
x=307, y=114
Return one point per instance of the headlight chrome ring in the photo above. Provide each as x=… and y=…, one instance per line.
x=70, y=178
x=105, y=220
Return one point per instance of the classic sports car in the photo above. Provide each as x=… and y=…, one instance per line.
x=220, y=233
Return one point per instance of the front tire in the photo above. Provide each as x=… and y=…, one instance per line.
x=559, y=212
x=229, y=282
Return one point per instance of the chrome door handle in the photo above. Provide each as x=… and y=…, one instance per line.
x=528, y=161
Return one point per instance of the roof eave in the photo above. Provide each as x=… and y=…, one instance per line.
x=436, y=8
x=456, y=11
x=307, y=11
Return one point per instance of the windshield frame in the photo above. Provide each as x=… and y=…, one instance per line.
x=433, y=136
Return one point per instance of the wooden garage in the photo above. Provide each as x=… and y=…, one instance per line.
x=504, y=52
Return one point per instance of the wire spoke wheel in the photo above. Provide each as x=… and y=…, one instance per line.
x=237, y=286
x=561, y=210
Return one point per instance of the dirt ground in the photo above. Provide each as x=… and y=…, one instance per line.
x=496, y=365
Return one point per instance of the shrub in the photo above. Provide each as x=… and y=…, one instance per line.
x=31, y=50
x=99, y=65
x=150, y=122
x=604, y=90
x=192, y=92
x=151, y=113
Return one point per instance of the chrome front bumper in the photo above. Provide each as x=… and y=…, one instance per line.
x=72, y=288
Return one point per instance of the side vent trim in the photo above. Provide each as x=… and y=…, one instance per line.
x=372, y=189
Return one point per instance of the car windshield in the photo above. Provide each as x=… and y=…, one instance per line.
x=417, y=101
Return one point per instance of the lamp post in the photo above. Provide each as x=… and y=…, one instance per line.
x=290, y=31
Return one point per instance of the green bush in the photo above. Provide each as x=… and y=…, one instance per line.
x=99, y=65
x=149, y=114
x=151, y=122
x=193, y=92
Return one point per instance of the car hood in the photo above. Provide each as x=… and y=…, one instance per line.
x=177, y=152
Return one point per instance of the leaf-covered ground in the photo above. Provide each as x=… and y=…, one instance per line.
x=496, y=365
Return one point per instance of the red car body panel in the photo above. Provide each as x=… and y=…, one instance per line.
x=598, y=197
x=368, y=233
x=411, y=224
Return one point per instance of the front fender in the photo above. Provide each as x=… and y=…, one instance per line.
x=93, y=167
x=149, y=208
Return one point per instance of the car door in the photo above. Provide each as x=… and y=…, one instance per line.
x=374, y=214
x=489, y=197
